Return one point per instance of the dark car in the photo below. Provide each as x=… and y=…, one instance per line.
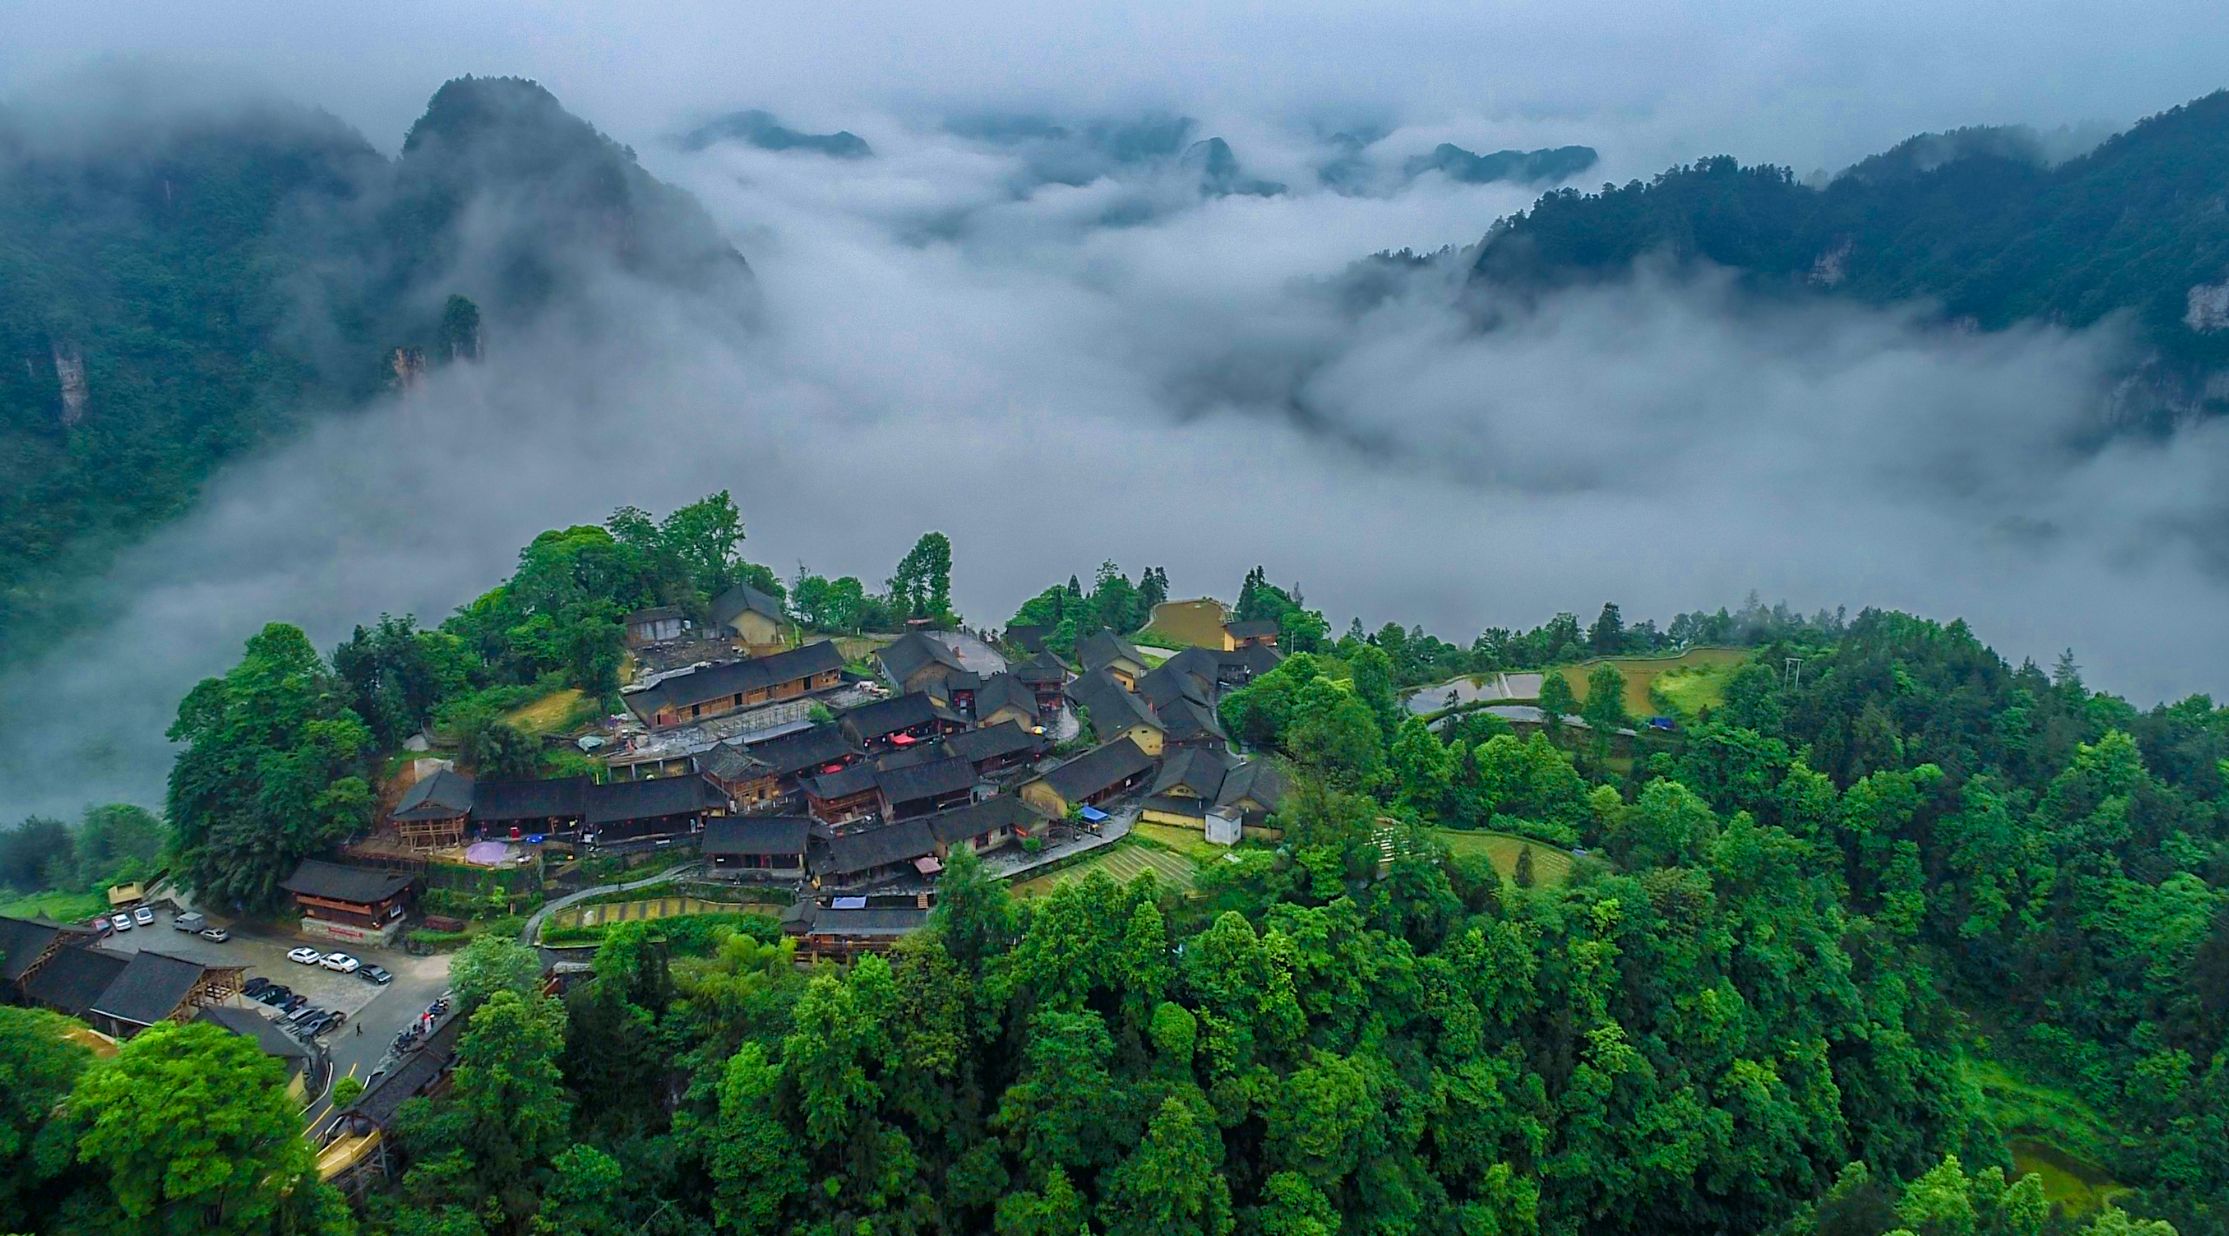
x=294, y=1002
x=325, y=1023
x=376, y=975
x=273, y=994
x=254, y=985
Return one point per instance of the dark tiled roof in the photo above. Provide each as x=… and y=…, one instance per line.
x=1255, y=661
x=1254, y=779
x=150, y=987
x=1097, y=769
x=854, y=852
x=541, y=799
x=74, y=978
x=649, y=800
x=1113, y=710
x=871, y=721
x=991, y=742
x=844, y=782
x=1042, y=668
x=866, y=923
x=1187, y=720
x=1004, y=691
x=249, y=1024
x=1196, y=769
x=976, y=819
x=1103, y=647
x=718, y=682
x=1027, y=636
x=930, y=780
x=796, y=752
x=1254, y=629
x=730, y=605
x=1165, y=685
x=412, y=1077
x=656, y=613
x=340, y=882
x=915, y=651
x=444, y=795
x=22, y=942
x=757, y=834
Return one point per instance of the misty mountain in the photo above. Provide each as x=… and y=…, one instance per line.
x=1979, y=221
x=1524, y=167
x=762, y=130
x=182, y=291
x=1220, y=174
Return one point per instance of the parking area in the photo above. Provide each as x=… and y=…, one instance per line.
x=375, y=1013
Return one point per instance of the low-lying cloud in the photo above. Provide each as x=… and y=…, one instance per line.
x=940, y=351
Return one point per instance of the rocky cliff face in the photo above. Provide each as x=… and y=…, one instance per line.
x=69, y=373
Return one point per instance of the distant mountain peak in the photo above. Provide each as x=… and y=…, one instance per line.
x=1220, y=174
x=1549, y=165
x=762, y=129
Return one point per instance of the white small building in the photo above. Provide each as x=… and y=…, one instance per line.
x=1223, y=826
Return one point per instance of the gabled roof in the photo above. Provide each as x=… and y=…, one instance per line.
x=265, y=1033
x=74, y=978
x=915, y=651
x=1097, y=769
x=1113, y=710
x=757, y=834
x=992, y=742
x=876, y=922
x=656, y=613
x=843, y=783
x=719, y=682
x=1196, y=769
x=1028, y=636
x=23, y=941
x=1169, y=682
x=412, y=1077
x=149, y=988
x=853, y=852
x=1255, y=660
x=1042, y=668
x=1252, y=629
x=315, y=877
x=655, y=798
x=443, y=796
x=1187, y=720
x=1103, y=647
x=976, y=819
x=543, y=798
x=1004, y=691
x=1255, y=780
x=731, y=604
x=786, y=756
x=903, y=712
x=933, y=779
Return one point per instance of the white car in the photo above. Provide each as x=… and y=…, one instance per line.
x=341, y=962
x=305, y=956
x=144, y=916
x=122, y=922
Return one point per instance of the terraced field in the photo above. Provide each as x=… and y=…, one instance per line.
x=1549, y=864
x=1694, y=679
x=1122, y=861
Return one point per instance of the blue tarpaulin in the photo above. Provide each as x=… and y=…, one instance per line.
x=1093, y=815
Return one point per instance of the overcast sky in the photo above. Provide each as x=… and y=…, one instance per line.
x=943, y=348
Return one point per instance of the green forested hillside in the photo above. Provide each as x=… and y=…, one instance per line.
x=1974, y=220
x=177, y=295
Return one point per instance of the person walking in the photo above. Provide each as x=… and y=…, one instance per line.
x=359, y=1029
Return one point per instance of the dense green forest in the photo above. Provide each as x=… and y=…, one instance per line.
x=180, y=293
x=1845, y=954
x=1974, y=219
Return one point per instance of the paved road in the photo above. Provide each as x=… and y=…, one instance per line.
x=381, y=1011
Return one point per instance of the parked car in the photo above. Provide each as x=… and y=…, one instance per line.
x=191, y=920
x=329, y=1022
x=103, y=926
x=375, y=974
x=215, y=935
x=293, y=1002
x=304, y=1013
x=341, y=962
x=123, y=922
x=143, y=916
x=304, y=956
x=273, y=994
x=254, y=985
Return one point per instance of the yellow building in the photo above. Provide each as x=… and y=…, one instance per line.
x=752, y=617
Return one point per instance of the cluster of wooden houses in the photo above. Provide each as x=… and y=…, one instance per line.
x=63, y=967
x=949, y=756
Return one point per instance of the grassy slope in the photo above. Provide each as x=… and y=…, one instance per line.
x=1549, y=864
x=1694, y=678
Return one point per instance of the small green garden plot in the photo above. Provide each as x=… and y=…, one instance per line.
x=1549, y=864
x=1694, y=679
x=1122, y=861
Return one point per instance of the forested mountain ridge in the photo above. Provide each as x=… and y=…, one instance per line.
x=1975, y=220
x=180, y=293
